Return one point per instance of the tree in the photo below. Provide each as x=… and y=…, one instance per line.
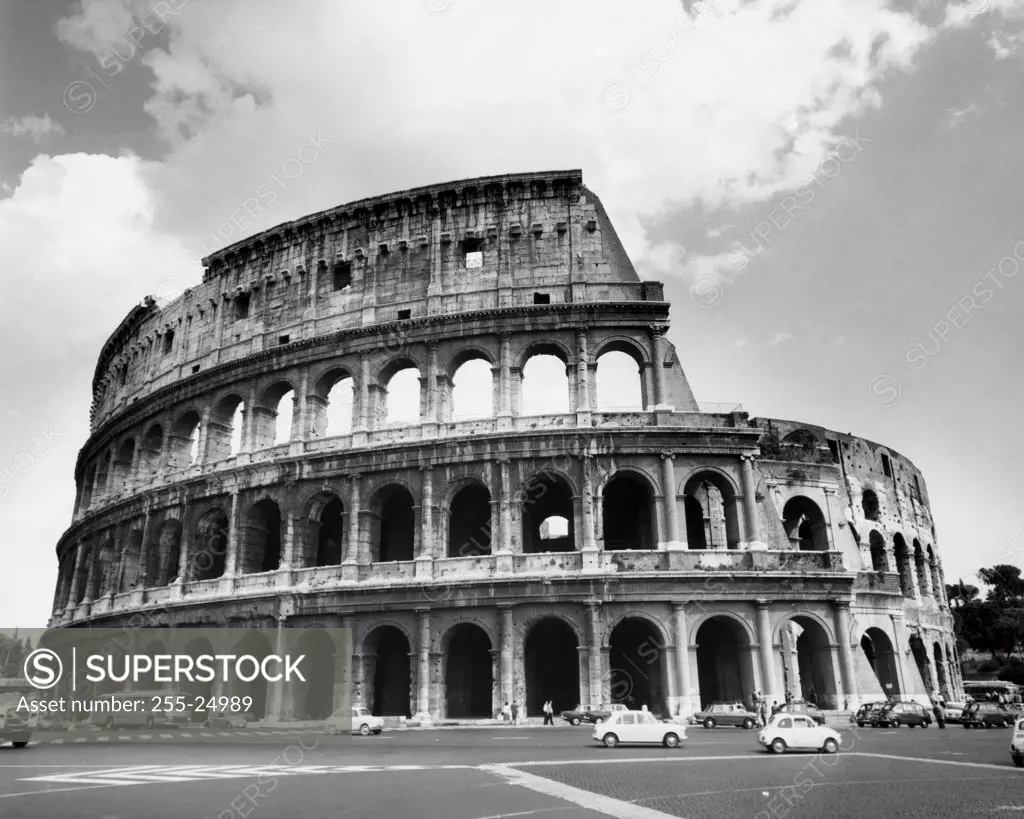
x=995, y=624
x=960, y=593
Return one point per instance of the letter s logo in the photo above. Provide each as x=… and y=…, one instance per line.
x=43, y=668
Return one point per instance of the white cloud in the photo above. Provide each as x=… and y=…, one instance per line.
x=742, y=343
x=779, y=338
x=35, y=128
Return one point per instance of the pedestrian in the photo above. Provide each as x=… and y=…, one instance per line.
x=515, y=712
x=940, y=718
x=775, y=707
x=643, y=707
x=506, y=713
x=549, y=711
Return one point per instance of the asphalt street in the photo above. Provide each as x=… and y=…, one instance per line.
x=484, y=773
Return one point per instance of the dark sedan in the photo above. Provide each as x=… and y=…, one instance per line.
x=728, y=713
x=986, y=715
x=803, y=708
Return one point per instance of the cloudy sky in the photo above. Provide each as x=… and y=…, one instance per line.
x=830, y=190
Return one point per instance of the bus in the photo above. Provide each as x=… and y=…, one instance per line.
x=138, y=709
x=983, y=689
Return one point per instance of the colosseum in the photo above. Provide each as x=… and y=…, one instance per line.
x=252, y=463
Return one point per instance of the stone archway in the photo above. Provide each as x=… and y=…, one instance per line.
x=469, y=672
x=551, y=658
x=638, y=667
x=877, y=669
x=807, y=666
x=725, y=668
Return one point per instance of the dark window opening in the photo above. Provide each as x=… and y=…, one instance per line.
x=833, y=447
x=869, y=502
x=342, y=275
x=195, y=368
x=886, y=466
x=168, y=341
x=283, y=339
x=242, y=306
x=917, y=488
x=404, y=314
x=542, y=298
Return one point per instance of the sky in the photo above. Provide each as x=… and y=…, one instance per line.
x=828, y=188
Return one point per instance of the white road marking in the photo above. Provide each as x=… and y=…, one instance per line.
x=987, y=765
x=567, y=793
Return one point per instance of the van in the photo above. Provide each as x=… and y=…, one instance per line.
x=1017, y=744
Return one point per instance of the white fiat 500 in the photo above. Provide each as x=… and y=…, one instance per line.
x=1017, y=744
x=795, y=732
x=638, y=727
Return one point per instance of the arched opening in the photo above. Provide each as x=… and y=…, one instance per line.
x=940, y=669
x=388, y=672
x=876, y=649
x=637, y=666
x=547, y=497
x=472, y=390
x=88, y=486
x=103, y=474
x=709, y=503
x=879, y=561
x=184, y=440
x=209, y=556
x=149, y=452
x=923, y=570
x=869, y=503
x=402, y=396
x=725, y=669
x=469, y=673
x=332, y=403
x=393, y=523
x=283, y=417
x=920, y=653
x=122, y=464
x=627, y=511
x=314, y=698
x=805, y=525
x=130, y=555
x=195, y=687
x=261, y=543
x=552, y=666
x=544, y=388
x=619, y=382
x=224, y=437
x=257, y=645
x=903, y=565
x=469, y=522
x=163, y=560
x=807, y=668
x=330, y=533
x=106, y=570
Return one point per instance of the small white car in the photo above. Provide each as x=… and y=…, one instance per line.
x=638, y=727
x=796, y=732
x=1017, y=744
x=362, y=721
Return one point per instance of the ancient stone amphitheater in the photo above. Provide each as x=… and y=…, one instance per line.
x=246, y=468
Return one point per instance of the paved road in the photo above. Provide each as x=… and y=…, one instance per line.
x=504, y=771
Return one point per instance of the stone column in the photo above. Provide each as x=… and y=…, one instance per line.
x=587, y=509
x=668, y=489
x=582, y=372
x=76, y=572
x=841, y=609
x=658, y=355
x=750, y=522
x=505, y=546
x=425, y=558
x=277, y=706
x=682, y=660
x=764, y=639
x=233, y=546
x=301, y=426
x=505, y=376
x=897, y=650
x=204, y=437
x=423, y=667
x=352, y=557
x=362, y=398
x=594, y=635
x=284, y=568
x=507, y=641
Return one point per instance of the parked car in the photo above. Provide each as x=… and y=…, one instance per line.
x=986, y=715
x=867, y=713
x=638, y=727
x=1017, y=744
x=954, y=711
x=801, y=707
x=358, y=720
x=576, y=715
x=229, y=719
x=797, y=732
x=901, y=712
x=726, y=713
x=604, y=711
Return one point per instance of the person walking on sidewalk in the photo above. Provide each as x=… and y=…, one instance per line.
x=940, y=717
x=506, y=713
x=515, y=712
x=549, y=712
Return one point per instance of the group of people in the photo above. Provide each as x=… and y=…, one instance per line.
x=510, y=713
